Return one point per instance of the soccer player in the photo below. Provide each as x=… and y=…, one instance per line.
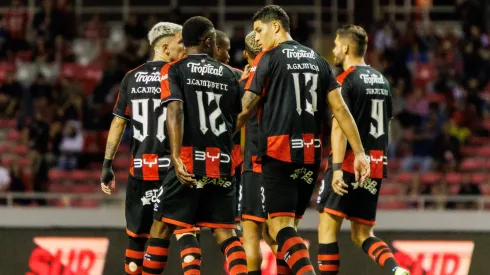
x=139, y=104
x=201, y=95
x=367, y=94
x=253, y=198
x=294, y=83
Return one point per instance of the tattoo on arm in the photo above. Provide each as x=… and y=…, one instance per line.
x=250, y=101
x=114, y=138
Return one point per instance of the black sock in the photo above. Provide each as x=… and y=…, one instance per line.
x=328, y=258
x=258, y=272
x=135, y=252
x=190, y=254
x=295, y=251
x=379, y=251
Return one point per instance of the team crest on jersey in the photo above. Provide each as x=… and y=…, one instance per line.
x=298, y=54
x=372, y=79
x=145, y=77
x=198, y=68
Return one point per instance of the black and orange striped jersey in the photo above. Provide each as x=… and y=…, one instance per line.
x=367, y=93
x=293, y=81
x=210, y=94
x=138, y=102
x=251, y=149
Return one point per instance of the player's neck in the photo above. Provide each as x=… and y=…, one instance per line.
x=353, y=61
x=159, y=56
x=283, y=37
x=193, y=50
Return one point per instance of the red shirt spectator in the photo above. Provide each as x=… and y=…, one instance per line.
x=16, y=18
x=94, y=30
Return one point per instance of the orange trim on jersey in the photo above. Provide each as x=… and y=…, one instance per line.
x=150, y=166
x=186, y=230
x=213, y=162
x=279, y=147
x=134, y=235
x=334, y=212
x=252, y=218
x=252, y=73
x=164, y=83
x=236, y=155
x=363, y=221
x=131, y=166
x=186, y=155
x=342, y=76
x=309, y=148
x=282, y=214
x=256, y=167
x=216, y=225
x=175, y=222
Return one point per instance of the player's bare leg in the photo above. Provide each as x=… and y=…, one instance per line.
x=328, y=248
x=157, y=251
x=190, y=251
x=291, y=246
x=252, y=232
x=363, y=236
x=233, y=250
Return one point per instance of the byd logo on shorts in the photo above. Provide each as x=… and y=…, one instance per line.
x=203, y=156
x=68, y=256
x=434, y=257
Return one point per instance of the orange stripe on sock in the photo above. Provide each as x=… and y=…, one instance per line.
x=148, y=273
x=333, y=257
x=236, y=255
x=195, y=262
x=153, y=250
x=241, y=240
x=136, y=272
x=381, y=251
x=385, y=257
x=305, y=269
x=238, y=269
x=290, y=243
x=230, y=246
x=154, y=265
x=135, y=254
x=192, y=250
x=298, y=255
x=283, y=270
x=374, y=246
x=192, y=272
x=328, y=267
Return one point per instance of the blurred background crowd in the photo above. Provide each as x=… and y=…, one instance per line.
x=59, y=78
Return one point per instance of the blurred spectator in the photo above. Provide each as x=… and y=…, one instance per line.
x=64, y=20
x=10, y=96
x=43, y=20
x=38, y=133
x=419, y=153
x=299, y=28
x=446, y=150
x=17, y=184
x=237, y=47
x=71, y=145
x=41, y=90
x=95, y=30
x=5, y=179
x=134, y=30
x=417, y=105
x=41, y=52
x=396, y=135
x=61, y=51
x=40, y=170
x=16, y=19
x=467, y=188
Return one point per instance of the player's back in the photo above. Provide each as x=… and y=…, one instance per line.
x=139, y=102
x=368, y=96
x=210, y=93
x=294, y=101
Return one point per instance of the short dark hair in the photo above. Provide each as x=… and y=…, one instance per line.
x=270, y=13
x=194, y=29
x=220, y=36
x=357, y=36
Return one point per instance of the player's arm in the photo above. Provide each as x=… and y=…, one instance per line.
x=257, y=81
x=172, y=97
x=339, y=146
x=118, y=124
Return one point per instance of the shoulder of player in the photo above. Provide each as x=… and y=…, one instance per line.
x=133, y=71
x=347, y=75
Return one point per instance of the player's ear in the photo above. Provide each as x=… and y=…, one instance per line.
x=245, y=55
x=345, y=48
x=276, y=26
x=165, y=49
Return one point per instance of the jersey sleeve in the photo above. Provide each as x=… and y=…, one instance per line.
x=331, y=80
x=170, y=88
x=259, y=73
x=121, y=109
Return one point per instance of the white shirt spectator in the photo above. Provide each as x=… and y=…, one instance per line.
x=4, y=179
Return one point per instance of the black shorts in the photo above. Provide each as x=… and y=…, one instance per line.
x=358, y=205
x=140, y=197
x=288, y=187
x=211, y=205
x=252, y=197
x=238, y=180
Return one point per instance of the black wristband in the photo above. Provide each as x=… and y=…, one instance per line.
x=107, y=163
x=336, y=166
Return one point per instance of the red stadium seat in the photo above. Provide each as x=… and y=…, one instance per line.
x=483, y=152
x=121, y=163
x=79, y=175
x=486, y=124
x=121, y=177
x=123, y=149
x=485, y=189
x=392, y=189
x=24, y=162
x=394, y=164
x=13, y=135
x=56, y=175
x=472, y=164
x=405, y=177
x=85, y=188
x=479, y=140
x=85, y=203
x=4, y=148
x=59, y=188
x=430, y=178
x=469, y=150
x=454, y=189
x=479, y=178
x=454, y=178
x=391, y=205
x=20, y=150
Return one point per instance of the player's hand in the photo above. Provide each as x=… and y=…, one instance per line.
x=338, y=184
x=362, y=168
x=182, y=174
x=246, y=71
x=108, y=180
